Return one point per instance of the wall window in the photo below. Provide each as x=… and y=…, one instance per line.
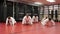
x=45, y=9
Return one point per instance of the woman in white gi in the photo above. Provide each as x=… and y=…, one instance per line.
x=27, y=20
x=35, y=19
x=10, y=20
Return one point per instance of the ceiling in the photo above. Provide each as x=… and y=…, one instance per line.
x=44, y=2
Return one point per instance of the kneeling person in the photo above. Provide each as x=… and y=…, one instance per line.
x=35, y=19
x=10, y=20
x=27, y=20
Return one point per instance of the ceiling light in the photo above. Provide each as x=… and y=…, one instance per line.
x=37, y=3
x=51, y=0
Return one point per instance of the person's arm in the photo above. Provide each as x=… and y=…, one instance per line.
x=13, y=20
x=23, y=20
x=6, y=21
x=30, y=20
x=42, y=19
x=29, y=17
x=53, y=22
x=37, y=18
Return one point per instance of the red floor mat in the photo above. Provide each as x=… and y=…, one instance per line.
x=36, y=28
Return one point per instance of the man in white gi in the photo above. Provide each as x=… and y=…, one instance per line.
x=44, y=20
x=47, y=20
x=10, y=20
x=27, y=20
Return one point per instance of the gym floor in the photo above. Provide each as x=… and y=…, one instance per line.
x=36, y=28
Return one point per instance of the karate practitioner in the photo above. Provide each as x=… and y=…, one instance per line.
x=43, y=20
x=27, y=20
x=35, y=19
x=48, y=21
x=10, y=20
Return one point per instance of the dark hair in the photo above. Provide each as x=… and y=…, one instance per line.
x=49, y=18
x=35, y=15
x=46, y=17
x=8, y=17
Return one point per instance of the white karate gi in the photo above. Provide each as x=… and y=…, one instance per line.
x=44, y=22
x=43, y=19
x=11, y=21
x=35, y=19
x=27, y=20
x=53, y=23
